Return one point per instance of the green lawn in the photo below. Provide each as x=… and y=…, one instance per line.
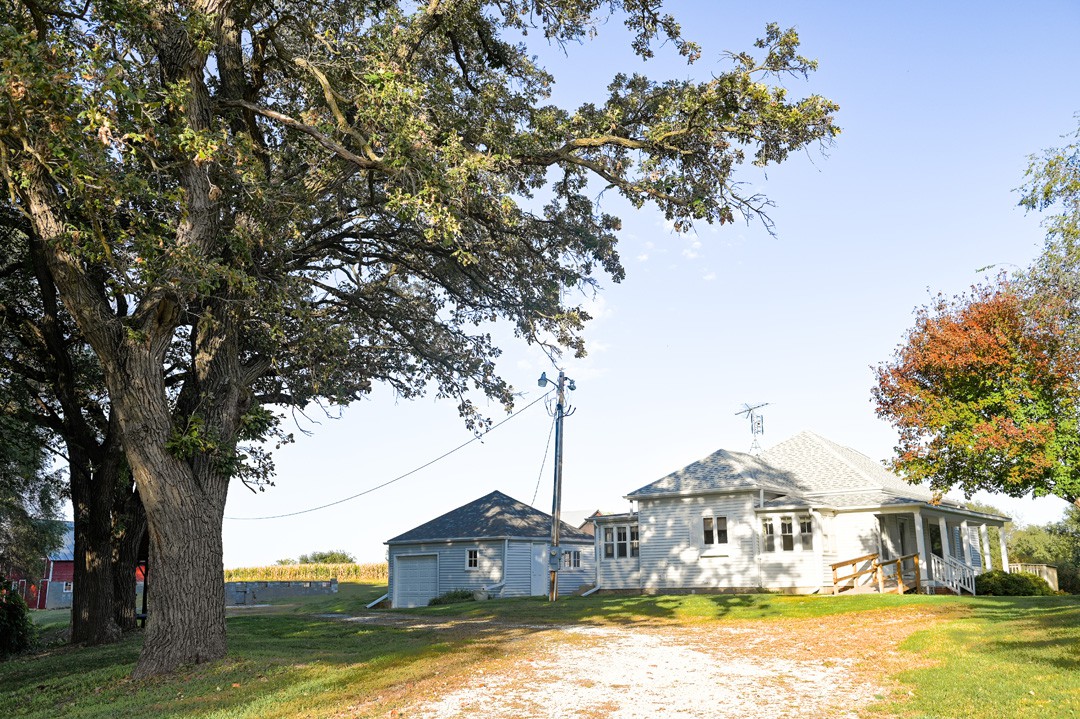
x=987, y=657
x=1012, y=657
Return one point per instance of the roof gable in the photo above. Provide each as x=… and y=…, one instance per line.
x=490, y=516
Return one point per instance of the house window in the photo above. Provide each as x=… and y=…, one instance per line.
x=68, y=587
x=572, y=559
x=796, y=533
x=620, y=541
x=472, y=559
x=768, y=534
x=787, y=534
x=714, y=530
x=806, y=531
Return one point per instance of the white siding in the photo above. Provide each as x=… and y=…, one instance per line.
x=573, y=578
x=856, y=534
x=518, y=570
x=673, y=552
x=799, y=569
x=453, y=574
x=615, y=572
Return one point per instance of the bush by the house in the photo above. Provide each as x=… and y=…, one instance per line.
x=16, y=629
x=1018, y=584
x=453, y=597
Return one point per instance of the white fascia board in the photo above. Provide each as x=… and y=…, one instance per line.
x=501, y=538
x=928, y=508
x=704, y=492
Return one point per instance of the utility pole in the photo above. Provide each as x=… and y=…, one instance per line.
x=555, y=559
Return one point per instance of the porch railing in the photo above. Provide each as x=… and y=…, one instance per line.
x=888, y=570
x=955, y=575
x=895, y=568
x=839, y=579
x=1046, y=571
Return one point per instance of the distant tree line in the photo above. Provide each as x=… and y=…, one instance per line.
x=333, y=556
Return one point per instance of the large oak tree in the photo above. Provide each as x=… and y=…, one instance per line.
x=246, y=203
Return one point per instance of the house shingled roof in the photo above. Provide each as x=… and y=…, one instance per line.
x=806, y=469
x=820, y=465
x=722, y=470
x=492, y=516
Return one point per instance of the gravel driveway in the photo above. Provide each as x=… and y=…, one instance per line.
x=825, y=667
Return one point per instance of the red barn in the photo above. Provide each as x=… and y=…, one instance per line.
x=54, y=589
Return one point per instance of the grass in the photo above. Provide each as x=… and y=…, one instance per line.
x=987, y=657
x=678, y=608
x=1012, y=657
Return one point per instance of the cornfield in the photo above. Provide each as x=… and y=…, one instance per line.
x=372, y=573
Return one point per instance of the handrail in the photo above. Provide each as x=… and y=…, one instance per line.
x=837, y=565
x=876, y=567
x=897, y=566
x=955, y=575
x=837, y=579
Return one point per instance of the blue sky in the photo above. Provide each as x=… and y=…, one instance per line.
x=940, y=108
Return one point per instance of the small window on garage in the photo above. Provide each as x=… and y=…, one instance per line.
x=68, y=587
x=572, y=559
x=472, y=559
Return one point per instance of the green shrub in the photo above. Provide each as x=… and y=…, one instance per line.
x=16, y=629
x=453, y=597
x=1018, y=584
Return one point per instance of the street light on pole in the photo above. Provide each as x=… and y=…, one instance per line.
x=554, y=558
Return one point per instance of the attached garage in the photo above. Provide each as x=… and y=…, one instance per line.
x=417, y=580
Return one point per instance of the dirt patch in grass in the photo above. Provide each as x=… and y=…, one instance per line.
x=832, y=666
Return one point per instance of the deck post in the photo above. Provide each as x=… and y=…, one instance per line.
x=965, y=542
x=920, y=546
x=984, y=536
x=1004, y=551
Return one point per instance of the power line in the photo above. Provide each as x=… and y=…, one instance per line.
x=543, y=463
x=400, y=477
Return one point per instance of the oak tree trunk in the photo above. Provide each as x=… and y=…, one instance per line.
x=129, y=528
x=92, y=613
x=186, y=608
x=184, y=503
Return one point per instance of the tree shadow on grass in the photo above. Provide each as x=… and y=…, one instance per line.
x=1040, y=630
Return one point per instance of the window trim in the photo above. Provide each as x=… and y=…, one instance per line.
x=620, y=541
x=572, y=559
x=69, y=587
x=709, y=535
x=472, y=559
x=796, y=537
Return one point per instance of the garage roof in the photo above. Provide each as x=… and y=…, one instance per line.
x=493, y=516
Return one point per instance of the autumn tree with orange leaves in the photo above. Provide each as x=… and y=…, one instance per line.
x=984, y=394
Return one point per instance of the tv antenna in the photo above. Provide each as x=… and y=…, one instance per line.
x=757, y=423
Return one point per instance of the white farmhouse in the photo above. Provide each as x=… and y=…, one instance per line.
x=790, y=519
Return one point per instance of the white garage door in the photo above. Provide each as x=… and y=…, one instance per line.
x=416, y=580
